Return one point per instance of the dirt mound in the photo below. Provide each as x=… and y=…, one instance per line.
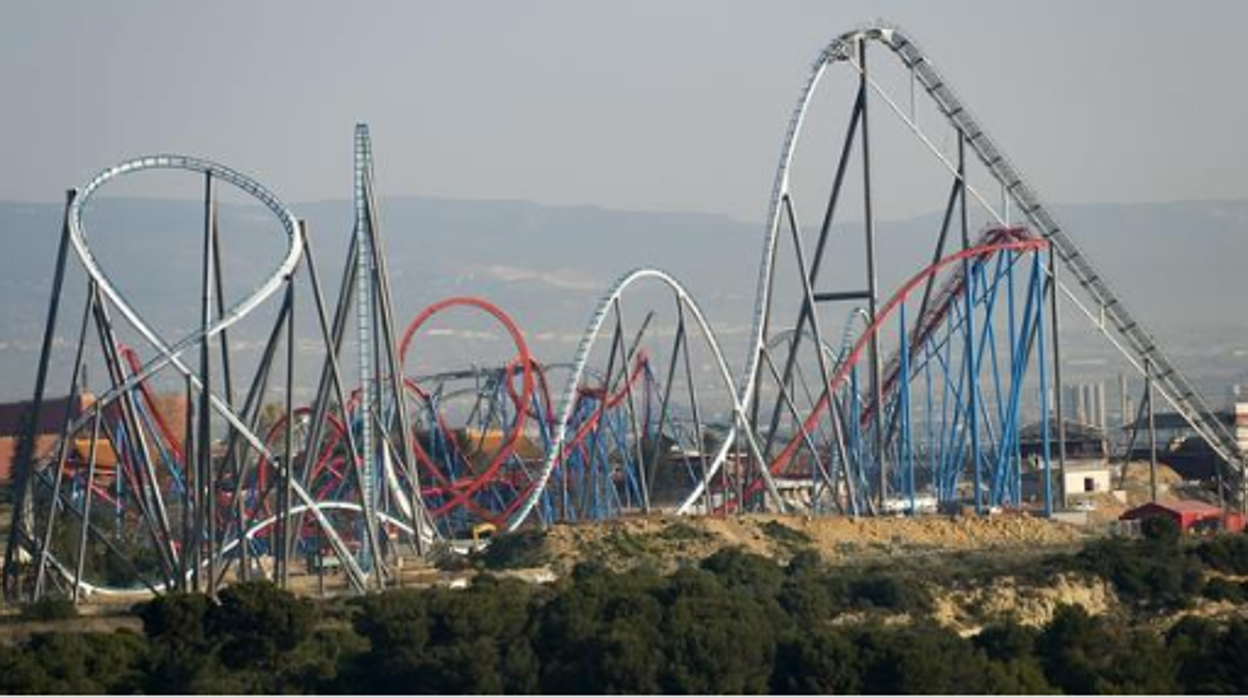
x=1137, y=483
x=1135, y=474
x=968, y=610
x=667, y=542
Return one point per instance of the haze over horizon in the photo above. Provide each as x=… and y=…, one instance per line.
x=653, y=108
x=645, y=106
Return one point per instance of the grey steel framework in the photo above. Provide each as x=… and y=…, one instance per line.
x=168, y=511
x=1107, y=311
x=920, y=403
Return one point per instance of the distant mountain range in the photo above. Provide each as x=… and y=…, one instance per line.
x=1179, y=265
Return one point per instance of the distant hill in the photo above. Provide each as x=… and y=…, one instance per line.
x=1177, y=264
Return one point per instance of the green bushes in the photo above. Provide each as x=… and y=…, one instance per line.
x=681, y=531
x=257, y=639
x=786, y=536
x=737, y=623
x=50, y=608
x=67, y=663
x=1220, y=589
x=1155, y=573
x=1162, y=572
x=1226, y=553
x=444, y=641
x=888, y=592
x=514, y=550
x=1210, y=656
x=1083, y=654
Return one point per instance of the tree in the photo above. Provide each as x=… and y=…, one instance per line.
x=446, y=641
x=919, y=659
x=1161, y=531
x=1210, y=656
x=1082, y=654
x=255, y=623
x=1013, y=668
x=181, y=655
x=601, y=634
x=715, y=641
x=1153, y=572
x=821, y=660
x=64, y=663
x=1226, y=553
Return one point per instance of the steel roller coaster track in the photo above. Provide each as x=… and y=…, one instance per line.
x=391, y=461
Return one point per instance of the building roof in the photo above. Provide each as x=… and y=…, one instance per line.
x=1086, y=465
x=1075, y=432
x=51, y=415
x=1173, y=421
x=1181, y=506
x=1190, y=506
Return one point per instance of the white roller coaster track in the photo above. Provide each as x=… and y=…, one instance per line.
x=171, y=354
x=567, y=400
x=1110, y=314
x=90, y=589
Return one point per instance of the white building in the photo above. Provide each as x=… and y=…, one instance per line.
x=1087, y=477
x=1241, y=425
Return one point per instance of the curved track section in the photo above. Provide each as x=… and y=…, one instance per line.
x=474, y=471
x=1108, y=311
x=120, y=466
x=430, y=457
x=185, y=163
x=557, y=452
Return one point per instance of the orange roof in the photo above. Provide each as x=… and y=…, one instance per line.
x=1190, y=506
x=477, y=442
x=1183, y=507
x=105, y=456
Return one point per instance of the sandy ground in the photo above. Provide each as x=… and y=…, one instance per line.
x=670, y=540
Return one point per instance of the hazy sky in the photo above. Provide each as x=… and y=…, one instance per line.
x=649, y=105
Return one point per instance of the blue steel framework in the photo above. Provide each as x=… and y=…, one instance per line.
x=923, y=402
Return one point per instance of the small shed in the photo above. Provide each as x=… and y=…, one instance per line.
x=1190, y=515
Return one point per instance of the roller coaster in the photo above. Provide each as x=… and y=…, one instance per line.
x=848, y=402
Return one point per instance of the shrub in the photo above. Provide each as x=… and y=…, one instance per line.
x=50, y=608
x=822, y=660
x=683, y=531
x=445, y=641
x=1226, y=553
x=919, y=659
x=716, y=640
x=786, y=536
x=737, y=569
x=889, y=592
x=65, y=663
x=1210, y=655
x=1084, y=654
x=1161, y=530
x=1221, y=589
x=175, y=621
x=1154, y=572
x=516, y=550
x=256, y=623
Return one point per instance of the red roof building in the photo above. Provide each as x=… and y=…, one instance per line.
x=52, y=417
x=171, y=408
x=1190, y=515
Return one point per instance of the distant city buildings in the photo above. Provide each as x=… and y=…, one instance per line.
x=1085, y=404
x=1241, y=425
